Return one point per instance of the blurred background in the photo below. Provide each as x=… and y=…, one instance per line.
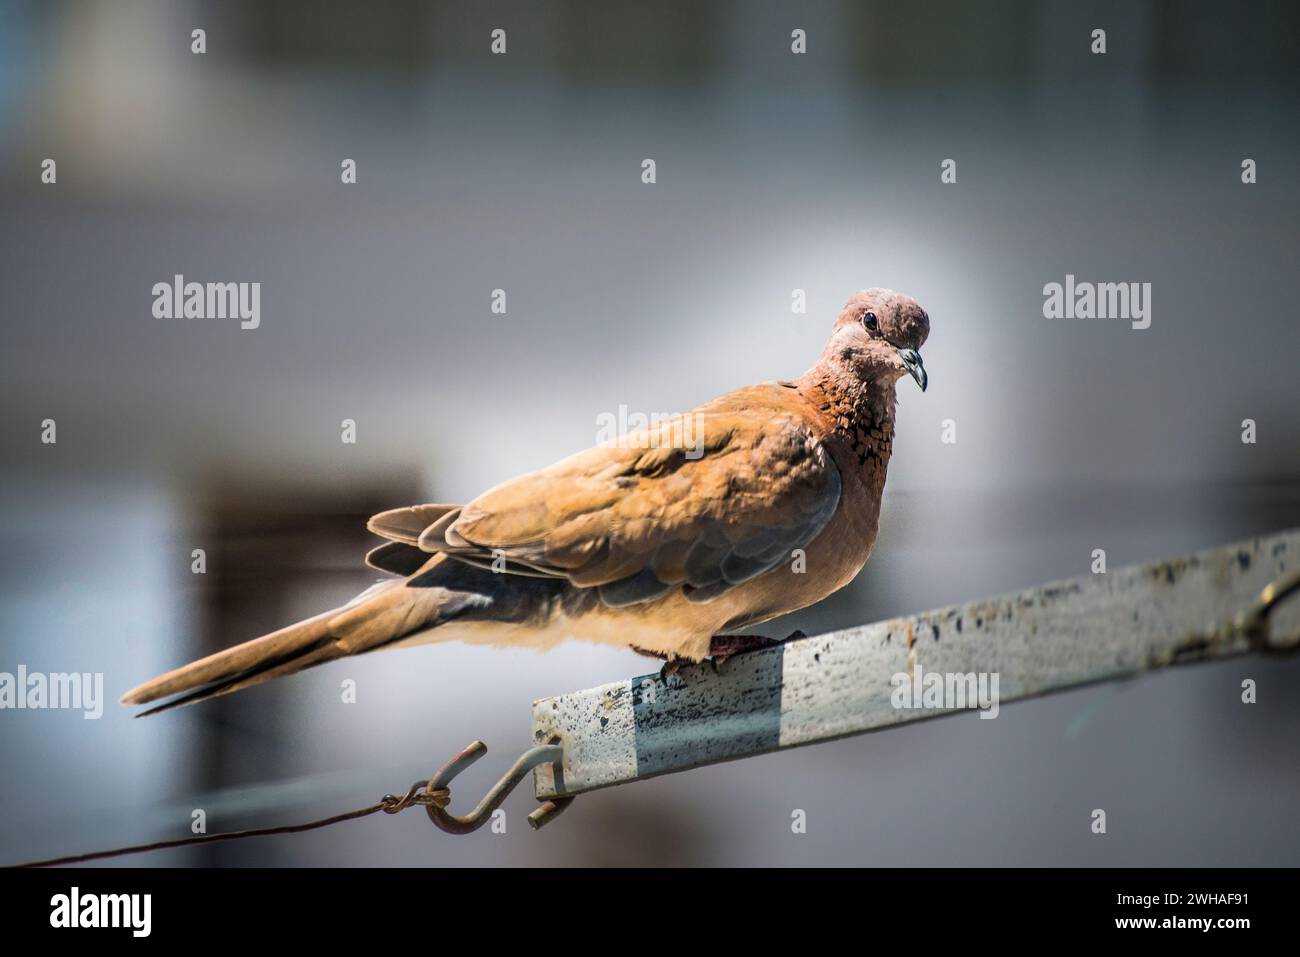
x=522, y=172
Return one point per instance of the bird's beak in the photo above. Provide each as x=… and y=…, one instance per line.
x=912, y=360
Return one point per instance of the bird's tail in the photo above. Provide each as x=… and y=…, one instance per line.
x=379, y=616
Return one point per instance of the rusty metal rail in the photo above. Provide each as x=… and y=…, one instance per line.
x=1212, y=604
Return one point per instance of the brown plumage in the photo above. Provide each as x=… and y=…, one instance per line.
x=652, y=541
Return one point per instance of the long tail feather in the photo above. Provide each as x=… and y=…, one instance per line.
x=382, y=615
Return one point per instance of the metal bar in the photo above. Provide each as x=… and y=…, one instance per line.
x=1075, y=632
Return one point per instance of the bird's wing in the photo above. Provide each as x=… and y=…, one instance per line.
x=706, y=501
x=405, y=524
x=400, y=554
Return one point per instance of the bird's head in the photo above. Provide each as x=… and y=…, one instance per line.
x=878, y=335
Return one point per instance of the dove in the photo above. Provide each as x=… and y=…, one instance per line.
x=637, y=542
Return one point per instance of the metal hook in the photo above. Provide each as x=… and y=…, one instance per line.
x=1254, y=623
x=456, y=824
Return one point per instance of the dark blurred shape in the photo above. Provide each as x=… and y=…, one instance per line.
x=676, y=43
x=896, y=44
x=394, y=37
x=1238, y=41
x=273, y=550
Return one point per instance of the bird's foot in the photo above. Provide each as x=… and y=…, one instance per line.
x=671, y=668
x=672, y=664
x=722, y=647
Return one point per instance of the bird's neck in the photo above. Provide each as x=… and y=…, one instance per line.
x=858, y=415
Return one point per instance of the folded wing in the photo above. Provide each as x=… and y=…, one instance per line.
x=703, y=502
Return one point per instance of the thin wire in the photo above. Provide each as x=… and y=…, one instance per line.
x=389, y=804
x=434, y=794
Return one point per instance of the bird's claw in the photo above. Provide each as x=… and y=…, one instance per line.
x=670, y=669
x=722, y=648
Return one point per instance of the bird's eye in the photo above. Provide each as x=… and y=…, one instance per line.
x=869, y=320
